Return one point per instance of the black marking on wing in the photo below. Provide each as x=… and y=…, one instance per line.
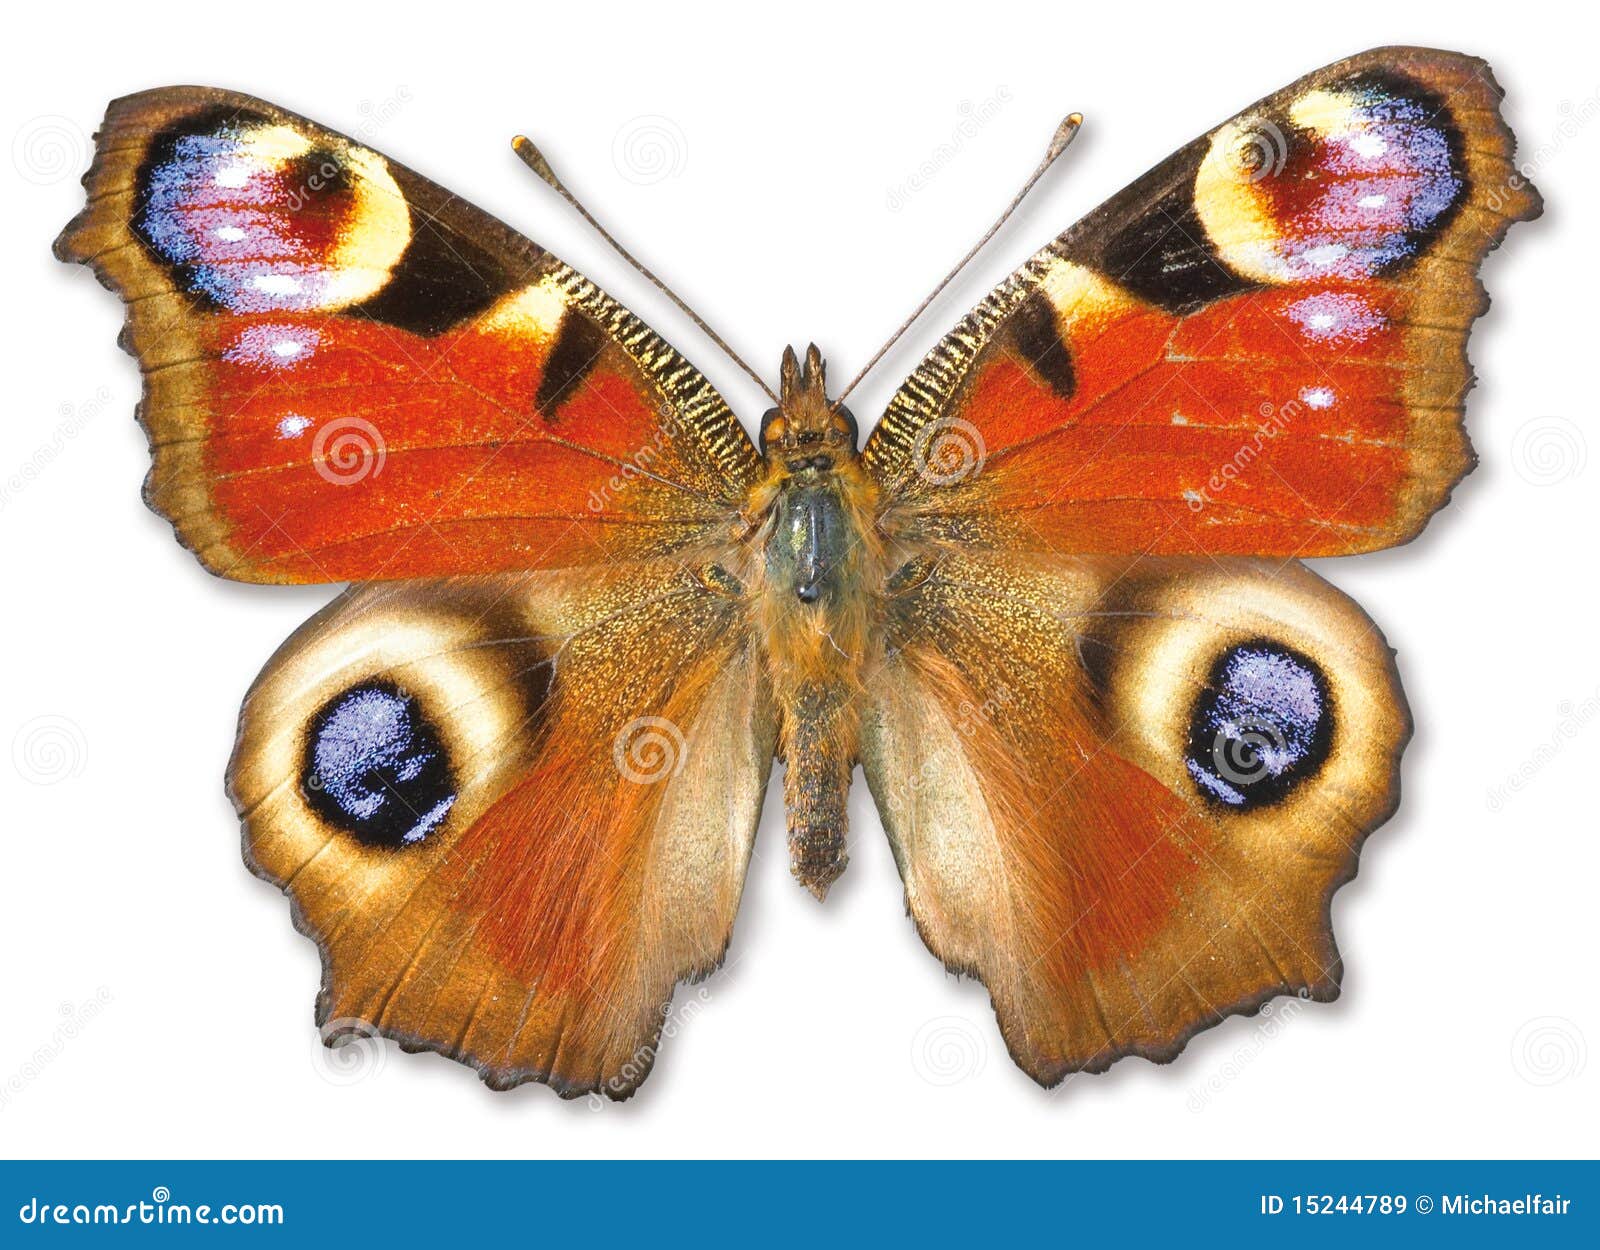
x=578, y=345
x=1037, y=339
x=1164, y=256
x=443, y=279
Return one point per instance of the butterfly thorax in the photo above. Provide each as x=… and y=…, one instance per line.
x=821, y=577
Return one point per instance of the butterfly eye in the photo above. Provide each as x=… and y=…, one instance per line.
x=844, y=422
x=1262, y=724
x=773, y=428
x=374, y=766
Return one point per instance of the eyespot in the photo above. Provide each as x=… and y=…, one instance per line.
x=374, y=766
x=1263, y=725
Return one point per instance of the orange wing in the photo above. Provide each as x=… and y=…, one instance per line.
x=1123, y=791
x=513, y=811
x=351, y=374
x=1257, y=348
x=1123, y=766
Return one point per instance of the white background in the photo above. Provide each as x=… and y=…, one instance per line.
x=155, y=1000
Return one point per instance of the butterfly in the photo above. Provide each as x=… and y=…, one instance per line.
x=1124, y=744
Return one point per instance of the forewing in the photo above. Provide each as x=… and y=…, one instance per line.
x=351, y=374
x=1257, y=348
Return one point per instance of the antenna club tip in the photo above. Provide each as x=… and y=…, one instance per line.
x=534, y=159
x=1066, y=132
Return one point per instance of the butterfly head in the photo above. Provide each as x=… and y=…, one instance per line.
x=805, y=431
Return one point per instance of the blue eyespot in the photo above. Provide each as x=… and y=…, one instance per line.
x=374, y=766
x=1262, y=725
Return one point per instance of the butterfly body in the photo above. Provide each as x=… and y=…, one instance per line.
x=819, y=608
x=1125, y=746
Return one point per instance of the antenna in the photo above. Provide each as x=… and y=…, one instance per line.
x=1066, y=132
x=534, y=160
